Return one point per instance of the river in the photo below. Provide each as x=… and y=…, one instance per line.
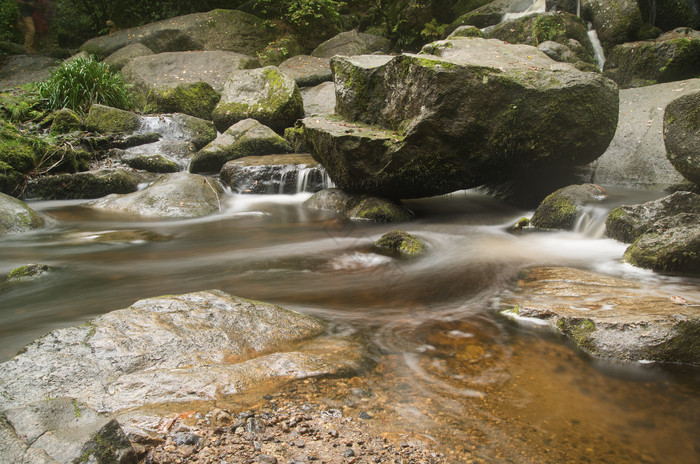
x=446, y=365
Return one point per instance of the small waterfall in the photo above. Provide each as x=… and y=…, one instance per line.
x=652, y=13
x=537, y=6
x=285, y=179
x=578, y=8
x=591, y=221
x=597, y=47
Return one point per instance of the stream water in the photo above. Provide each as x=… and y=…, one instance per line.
x=446, y=365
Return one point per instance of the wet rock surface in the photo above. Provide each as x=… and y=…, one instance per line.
x=682, y=135
x=561, y=208
x=88, y=184
x=269, y=174
x=609, y=317
x=16, y=216
x=359, y=207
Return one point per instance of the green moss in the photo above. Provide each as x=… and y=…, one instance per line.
x=28, y=271
x=580, y=331
x=555, y=212
x=546, y=28
x=403, y=242
x=196, y=99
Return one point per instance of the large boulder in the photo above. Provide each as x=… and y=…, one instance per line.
x=627, y=223
x=307, y=70
x=561, y=209
x=288, y=174
x=352, y=43
x=470, y=112
x=636, y=157
x=88, y=184
x=174, y=195
x=121, y=57
x=607, y=317
x=16, y=216
x=265, y=94
x=110, y=120
x=671, y=57
x=615, y=22
x=682, y=135
x=319, y=100
x=359, y=207
x=245, y=138
x=228, y=30
x=162, y=73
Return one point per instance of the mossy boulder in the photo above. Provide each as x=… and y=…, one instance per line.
x=682, y=135
x=352, y=43
x=161, y=73
x=195, y=99
x=28, y=272
x=279, y=50
x=267, y=95
x=670, y=245
x=401, y=242
x=359, y=207
x=89, y=184
x=16, y=216
x=609, y=318
x=536, y=29
x=16, y=161
x=227, y=30
x=65, y=121
x=151, y=163
x=627, y=223
x=561, y=209
x=616, y=21
x=463, y=113
x=245, y=138
x=121, y=57
x=105, y=119
x=173, y=195
x=672, y=14
x=467, y=31
x=671, y=57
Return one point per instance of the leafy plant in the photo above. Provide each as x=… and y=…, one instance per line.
x=301, y=14
x=82, y=82
x=8, y=20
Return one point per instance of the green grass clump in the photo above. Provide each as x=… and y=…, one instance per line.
x=82, y=82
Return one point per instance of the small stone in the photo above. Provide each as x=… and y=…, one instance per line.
x=364, y=415
x=348, y=453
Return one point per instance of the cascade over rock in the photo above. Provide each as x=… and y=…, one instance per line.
x=464, y=113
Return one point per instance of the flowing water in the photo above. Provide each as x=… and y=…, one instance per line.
x=446, y=364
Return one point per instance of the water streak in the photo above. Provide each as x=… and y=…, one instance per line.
x=537, y=6
x=597, y=47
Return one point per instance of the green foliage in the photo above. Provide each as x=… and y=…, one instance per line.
x=433, y=31
x=8, y=20
x=301, y=14
x=80, y=83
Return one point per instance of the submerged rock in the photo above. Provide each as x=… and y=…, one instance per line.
x=265, y=94
x=245, y=138
x=89, y=184
x=402, y=242
x=28, y=272
x=475, y=112
x=359, y=207
x=609, y=318
x=561, y=208
x=16, y=216
x=174, y=195
x=682, y=135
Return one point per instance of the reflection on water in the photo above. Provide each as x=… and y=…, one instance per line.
x=447, y=366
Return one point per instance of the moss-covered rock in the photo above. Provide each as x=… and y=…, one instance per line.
x=670, y=245
x=401, y=242
x=28, y=272
x=682, y=135
x=672, y=14
x=106, y=119
x=279, y=50
x=265, y=94
x=245, y=138
x=151, y=163
x=616, y=21
x=467, y=31
x=65, y=121
x=359, y=207
x=195, y=99
x=628, y=222
x=561, y=208
x=16, y=216
x=671, y=57
x=89, y=184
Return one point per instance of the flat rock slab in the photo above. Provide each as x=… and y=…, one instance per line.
x=23, y=69
x=608, y=317
x=319, y=100
x=636, y=156
x=307, y=70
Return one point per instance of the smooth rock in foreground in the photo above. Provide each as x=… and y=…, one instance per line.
x=607, y=317
x=178, y=195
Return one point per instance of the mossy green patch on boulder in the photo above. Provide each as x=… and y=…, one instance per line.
x=402, y=242
x=245, y=138
x=28, y=272
x=561, y=208
x=265, y=94
x=682, y=135
x=16, y=216
x=466, y=31
x=195, y=99
x=615, y=21
x=151, y=163
x=89, y=184
x=66, y=120
x=110, y=120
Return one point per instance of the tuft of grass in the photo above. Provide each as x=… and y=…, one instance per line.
x=82, y=82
